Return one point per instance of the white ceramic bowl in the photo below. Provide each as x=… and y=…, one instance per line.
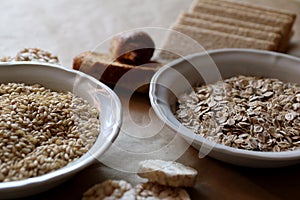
x=181, y=75
x=63, y=79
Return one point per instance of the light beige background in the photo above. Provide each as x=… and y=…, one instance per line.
x=69, y=27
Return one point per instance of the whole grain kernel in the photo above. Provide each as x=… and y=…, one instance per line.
x=31, y=142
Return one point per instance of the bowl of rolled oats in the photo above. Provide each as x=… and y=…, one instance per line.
x=54, y=122
x=240, y=106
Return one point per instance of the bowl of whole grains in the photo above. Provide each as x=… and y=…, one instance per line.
x=240, y=106
x=54, y=122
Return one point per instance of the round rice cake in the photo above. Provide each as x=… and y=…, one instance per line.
x=110, y=190
x=153, y=191
x=167, y=173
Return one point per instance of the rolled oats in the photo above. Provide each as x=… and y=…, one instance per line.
x=259, y=114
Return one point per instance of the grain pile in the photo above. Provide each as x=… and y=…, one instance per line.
x=259, y=114
x=32, y=54
x=42, y=130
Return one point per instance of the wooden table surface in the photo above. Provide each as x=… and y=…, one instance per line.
x=67, y=28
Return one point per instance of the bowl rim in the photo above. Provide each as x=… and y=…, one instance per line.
x=185, y=132
x=87, y=160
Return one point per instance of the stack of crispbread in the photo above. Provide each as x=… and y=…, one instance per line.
x=217, y=24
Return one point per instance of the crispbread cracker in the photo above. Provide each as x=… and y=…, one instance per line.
x=235, y=30
x=237, y=42
x=231, y=21
x=209, y=39
x=250, y=8
x=214, y=39
x=284, y=24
